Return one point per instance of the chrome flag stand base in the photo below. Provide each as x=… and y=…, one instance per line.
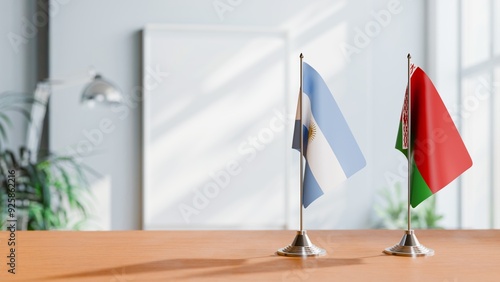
x=409, y=247
x=301, y=247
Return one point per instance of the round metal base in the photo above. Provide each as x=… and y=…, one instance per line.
x=409, y=247
x=301, y=247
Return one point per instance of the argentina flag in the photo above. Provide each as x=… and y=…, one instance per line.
x=331, y=152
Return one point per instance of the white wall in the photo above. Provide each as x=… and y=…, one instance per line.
x=17, y=57
x=368, y=87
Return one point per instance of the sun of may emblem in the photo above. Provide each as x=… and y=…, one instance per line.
x=312, y=131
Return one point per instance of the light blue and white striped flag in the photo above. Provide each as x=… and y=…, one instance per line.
x=331, y=152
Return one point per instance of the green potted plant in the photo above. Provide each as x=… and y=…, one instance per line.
x=393, y=212
x=49, y=192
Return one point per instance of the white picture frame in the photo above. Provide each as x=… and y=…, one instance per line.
x=207, y=92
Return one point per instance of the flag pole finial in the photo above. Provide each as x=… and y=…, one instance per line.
x=408, y=56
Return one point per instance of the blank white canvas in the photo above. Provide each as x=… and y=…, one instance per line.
x=215, y=136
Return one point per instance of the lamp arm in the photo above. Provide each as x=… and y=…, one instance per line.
x=38, y=110
x=71, y=81
x=98, y=87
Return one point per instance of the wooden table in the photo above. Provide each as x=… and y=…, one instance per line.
x=461, y=255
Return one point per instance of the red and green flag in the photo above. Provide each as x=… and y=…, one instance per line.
x=438, y=152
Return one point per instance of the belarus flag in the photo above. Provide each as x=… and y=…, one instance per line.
x=330, y=149
x=438, y=154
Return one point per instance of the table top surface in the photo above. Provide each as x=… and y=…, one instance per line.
x=352, y=255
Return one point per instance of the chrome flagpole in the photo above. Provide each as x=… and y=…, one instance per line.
x=301, y=245
x=409, y=246
x=301, y=173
